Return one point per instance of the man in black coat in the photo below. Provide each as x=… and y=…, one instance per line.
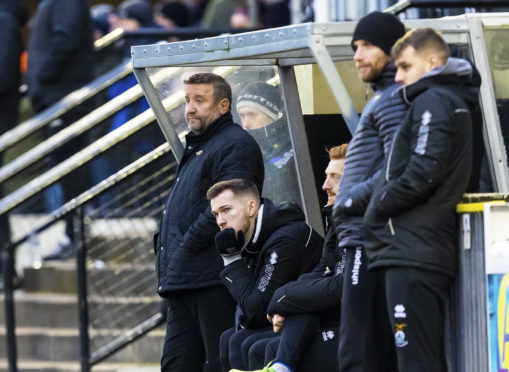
x=372, y=40
x=411, y=224
x=188, y=266
x=263, y=246
x=259, y=106
x=60, y=51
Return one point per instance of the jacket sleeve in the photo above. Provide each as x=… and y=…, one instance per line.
x=252, y=292
x=67, y=23
x=307, y=296
x=386, y=120
x=233, y=164
x=433, y=127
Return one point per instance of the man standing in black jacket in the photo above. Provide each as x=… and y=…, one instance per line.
x=372, y=40
x=263, y=246
x=188, y=266
x=411, y=224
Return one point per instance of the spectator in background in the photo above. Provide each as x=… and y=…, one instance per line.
x=218, y=13
x=171, y=14
x=13, y=16
x=60, y=60
x=100, y=14
x=260, y=109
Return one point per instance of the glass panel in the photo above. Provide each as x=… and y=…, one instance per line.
x=497, y=45
x=258, y=107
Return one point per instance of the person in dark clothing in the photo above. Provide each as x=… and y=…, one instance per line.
x=60, y=51
x=307, y=310
x=188, y=266
x=372, y=40
x=259, y=106
x=263, y=246
x=13, y=16
x=60, y=60
x=411, y=224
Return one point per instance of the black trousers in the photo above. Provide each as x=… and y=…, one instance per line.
x=416, y=301
x=196, y=319
x=234, y=346
x=365, y=338
x=303, y=345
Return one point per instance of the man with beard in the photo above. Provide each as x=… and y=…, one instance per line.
x=188, y=266
x=374, y=35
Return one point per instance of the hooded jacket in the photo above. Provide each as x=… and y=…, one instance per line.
x=370, y=144
x=411, y=219
x=281, y=182
x=282, y=247
x=185, y=248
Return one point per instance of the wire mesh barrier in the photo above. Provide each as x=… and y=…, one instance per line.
x=119, y=254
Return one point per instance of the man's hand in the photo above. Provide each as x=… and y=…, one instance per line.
x=229, y=246
x=277, y=322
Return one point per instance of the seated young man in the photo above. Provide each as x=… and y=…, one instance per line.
x=306, y=311
x=263, y=247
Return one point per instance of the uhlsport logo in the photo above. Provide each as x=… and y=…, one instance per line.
x=399, y=311
x=356, y=266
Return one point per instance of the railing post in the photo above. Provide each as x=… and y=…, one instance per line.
x=81, y=253
x=7, y=257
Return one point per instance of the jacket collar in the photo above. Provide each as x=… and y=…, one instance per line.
x=215, y=127
x=385, y=78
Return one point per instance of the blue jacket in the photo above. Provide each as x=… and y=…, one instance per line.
x=185, y=248
x=370, y=144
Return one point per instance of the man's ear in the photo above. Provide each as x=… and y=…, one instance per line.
x=434, y=61
x=252, y=208
x=224, y=106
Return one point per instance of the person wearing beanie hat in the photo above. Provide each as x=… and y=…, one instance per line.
x=365, y=343
x=260, y=109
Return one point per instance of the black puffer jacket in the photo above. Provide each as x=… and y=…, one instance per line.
x=281, y=182
x=60, y=51
x=411, y=219
x=380, y=119
x=283, y=246
x=186, y=255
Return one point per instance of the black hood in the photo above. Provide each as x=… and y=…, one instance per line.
x=457, y=75
x=273, y=217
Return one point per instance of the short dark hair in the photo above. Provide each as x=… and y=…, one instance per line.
x=221, y=87
x=238, y=186
x=421, y=39
x=338, y=152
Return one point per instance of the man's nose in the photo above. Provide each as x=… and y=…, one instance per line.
x=220, y=221
x=399, y=77
x=190, y=107
x=326, y=185
x=357, y=56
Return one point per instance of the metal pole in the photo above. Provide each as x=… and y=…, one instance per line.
x=253, y=13
x=79, y=240
x=7, y=258
x=7, y=262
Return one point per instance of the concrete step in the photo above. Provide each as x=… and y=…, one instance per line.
x=61, y=311
x=62, y=345
x=45, y=366
x=61, y=277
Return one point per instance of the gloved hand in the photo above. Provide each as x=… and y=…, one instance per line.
x=229, y=246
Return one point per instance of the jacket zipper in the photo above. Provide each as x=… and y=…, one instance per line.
x=391, y=227
x=389, y=158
